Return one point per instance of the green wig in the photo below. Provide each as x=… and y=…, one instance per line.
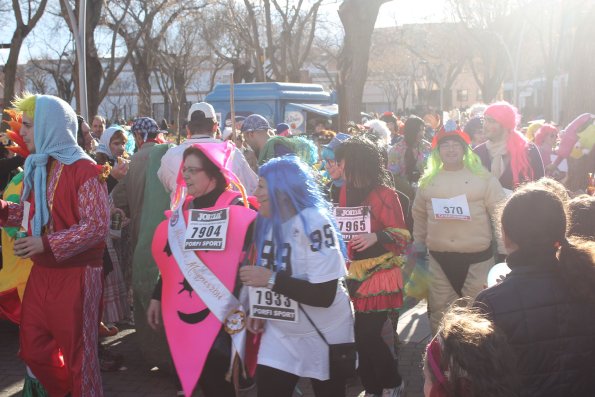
x=471, y=161
x=25, y=104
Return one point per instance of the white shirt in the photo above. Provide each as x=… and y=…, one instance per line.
x=172, y=160
x=296, y=347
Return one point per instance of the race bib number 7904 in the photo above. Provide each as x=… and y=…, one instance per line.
x=207, y=230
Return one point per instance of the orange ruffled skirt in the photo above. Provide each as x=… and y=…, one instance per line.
x=380, y=289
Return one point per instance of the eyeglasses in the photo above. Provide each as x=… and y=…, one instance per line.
x=191, y=170
x=330, y=163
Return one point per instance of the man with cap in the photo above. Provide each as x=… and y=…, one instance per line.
x=202, y=127
x=392, y=123
x=453, y=213
x=283, y=130
x=128, y=194
x=257, y=131
x=474, y=128
x=266, y=145
x=65, y=213
x=508, y=155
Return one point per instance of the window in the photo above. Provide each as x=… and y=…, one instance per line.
x=462, y=95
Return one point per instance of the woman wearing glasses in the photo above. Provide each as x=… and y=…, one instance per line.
x=198, y=261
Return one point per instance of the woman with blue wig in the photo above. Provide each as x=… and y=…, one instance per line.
x=300, y=260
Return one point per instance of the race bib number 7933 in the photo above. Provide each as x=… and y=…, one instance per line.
x=270, y=305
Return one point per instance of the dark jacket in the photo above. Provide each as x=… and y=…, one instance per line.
x=506, y=180
x=551, y=330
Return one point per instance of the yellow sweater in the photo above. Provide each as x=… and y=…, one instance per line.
x=483, y=193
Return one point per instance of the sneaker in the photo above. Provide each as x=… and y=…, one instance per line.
x=398, y=391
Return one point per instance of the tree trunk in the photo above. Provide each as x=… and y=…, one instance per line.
x=23, y=28
x=142, y=76
x=94, y=73
x=579, y=98
x=10, y=69
x=358, y=18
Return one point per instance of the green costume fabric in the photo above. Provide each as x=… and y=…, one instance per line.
x=153, y=345
x=32, y=388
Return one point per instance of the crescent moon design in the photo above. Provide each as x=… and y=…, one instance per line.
x=194, y=318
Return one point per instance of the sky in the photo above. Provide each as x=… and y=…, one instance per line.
x=394, y=12
x=399, y=12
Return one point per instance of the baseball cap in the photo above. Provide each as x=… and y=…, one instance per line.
x=255, y=122
x=283, y=129
x=205, y=108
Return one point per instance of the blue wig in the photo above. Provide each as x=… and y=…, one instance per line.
x=290, y=182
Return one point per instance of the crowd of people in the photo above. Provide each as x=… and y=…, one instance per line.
x=268, y=257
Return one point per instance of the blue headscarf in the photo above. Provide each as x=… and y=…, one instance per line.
x=54, y=135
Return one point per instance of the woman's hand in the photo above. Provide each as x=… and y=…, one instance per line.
x=119, y=170
x=154, y=314
x=255, y=325
x=255, y=276
x=26, y=247
x=363, y=241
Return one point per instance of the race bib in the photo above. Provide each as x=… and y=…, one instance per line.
x=207, y=230
x=270, y=305
x=456, y=208
x=353, y=221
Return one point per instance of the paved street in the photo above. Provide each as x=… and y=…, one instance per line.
x=136, y=378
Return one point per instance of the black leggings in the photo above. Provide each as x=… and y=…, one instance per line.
x=377, y=367
x=273, y=382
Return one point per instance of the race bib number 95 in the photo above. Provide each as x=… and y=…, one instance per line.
x=269, y=305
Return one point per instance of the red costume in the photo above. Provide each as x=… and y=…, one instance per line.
x=60, y=308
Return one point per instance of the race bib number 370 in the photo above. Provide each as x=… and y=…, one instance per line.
x=452, y=208
x=207, y=230
x=269, y=305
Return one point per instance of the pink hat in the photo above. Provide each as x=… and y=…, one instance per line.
x=221, y=154
x=504, y=113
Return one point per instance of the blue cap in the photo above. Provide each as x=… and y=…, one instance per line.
x=281, y=127
x=337, y=140
x=255, y=122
